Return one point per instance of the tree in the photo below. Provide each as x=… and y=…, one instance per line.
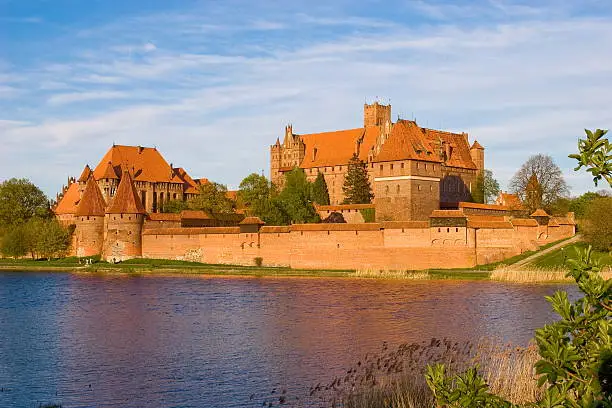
x=213, y=199
x=550, y=183
x=175, y=206
x=487, y=188
x=21, y=200
x=296, y=198
x=580, y=204
x=356, y=186
x=53, y=240
x=14, y=242
x=597, y=228
x=533, y=194
x=575, y=350
x=320, y=193
x=255, y=192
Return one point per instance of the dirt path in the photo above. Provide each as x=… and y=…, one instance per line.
x=533, y=257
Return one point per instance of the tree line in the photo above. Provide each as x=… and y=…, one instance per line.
x=27, y=225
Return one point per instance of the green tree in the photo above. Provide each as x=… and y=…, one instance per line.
x=14, y=242
x=21, y=200
x=213, y=199
x=597, y=228
x=175, y=206
x=356, y=186
x=296, y=198
x=255, y=192
x=320, y=193
x=533, y=194
x=53, y=240
x=487, y=188
x=579, y=205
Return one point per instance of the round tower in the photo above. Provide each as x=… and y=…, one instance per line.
x=124, y=221
x=89, y=221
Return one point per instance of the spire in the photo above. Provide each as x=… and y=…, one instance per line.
x=109, y=172
x=126, y=200
x=92, y=202
x=85, y=174
x=476, y=145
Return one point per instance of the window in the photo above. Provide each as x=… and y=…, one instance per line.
x=456, y=229
x=417, y=165
x=419, y=187
x=386, y=189
x=425, y=166
x=398, y=189
x=381, y=167
x=448, y=230
x=402, y=165
x=391, y=166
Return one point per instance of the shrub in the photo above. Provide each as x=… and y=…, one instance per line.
x=258, y=261
x=368, y=214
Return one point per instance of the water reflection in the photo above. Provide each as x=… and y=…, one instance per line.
x=201, y=341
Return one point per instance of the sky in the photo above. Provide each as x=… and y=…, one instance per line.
x=212, y=84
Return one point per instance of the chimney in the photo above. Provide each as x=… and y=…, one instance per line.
x=140, y=149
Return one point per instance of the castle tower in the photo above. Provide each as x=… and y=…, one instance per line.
x=477, y=153
x=83, y=179
x=124, y=221
x=89, y=221
x=275, y=161
x=376, y=114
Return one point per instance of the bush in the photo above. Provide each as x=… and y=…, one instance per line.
x=575, y=352
x=258, y=261
x=597, y=228
x=368, y=214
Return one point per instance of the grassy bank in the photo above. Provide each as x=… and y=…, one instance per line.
x=558, y=258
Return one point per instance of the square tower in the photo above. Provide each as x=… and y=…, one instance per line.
x=376, y=114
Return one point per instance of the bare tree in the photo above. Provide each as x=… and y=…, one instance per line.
x=552, y=186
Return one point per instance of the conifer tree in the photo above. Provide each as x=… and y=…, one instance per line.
x=356, y=186
x=320, y=193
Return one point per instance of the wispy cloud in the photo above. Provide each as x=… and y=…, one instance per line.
x=65, y=98
x=524, y=81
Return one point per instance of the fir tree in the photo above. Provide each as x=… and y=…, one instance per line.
x=356, y=186
x=320, y=194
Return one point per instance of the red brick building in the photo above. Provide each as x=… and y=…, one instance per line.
x=413, y=170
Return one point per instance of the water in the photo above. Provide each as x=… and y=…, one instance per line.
x=108, y=341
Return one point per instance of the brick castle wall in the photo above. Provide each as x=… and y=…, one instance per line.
x=348, y=246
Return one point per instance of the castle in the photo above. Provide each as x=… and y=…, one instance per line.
x=421, y=177
x=412, y=170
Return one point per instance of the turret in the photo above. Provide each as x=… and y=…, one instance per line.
x=376, y=114
x=124, y=221
x=477, y=154
x=89, y=221
x=85, y=175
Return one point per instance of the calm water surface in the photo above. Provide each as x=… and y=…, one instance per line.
x=104, y=341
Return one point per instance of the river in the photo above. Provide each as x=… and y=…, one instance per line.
x=194, y=341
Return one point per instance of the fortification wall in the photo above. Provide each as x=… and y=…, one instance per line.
x=386, y=246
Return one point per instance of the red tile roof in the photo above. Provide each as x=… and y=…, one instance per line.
x=164, y=217
x=126, y=200
x=410, y=141
x=337, y=148
x=341, y=207
x=92, y=203
x=476, y=145
x=489, y=224
x=524, y=222
x=251, y=221
x=447, y=214
x=194, y=215
x=481, y=206
x=145, y=163
x=191, y=185
x=70, y=200
x=107, y=171
x=85, y=174
x=512, y=201
x=540, y=213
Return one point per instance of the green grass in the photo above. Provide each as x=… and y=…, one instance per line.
x=558, y=258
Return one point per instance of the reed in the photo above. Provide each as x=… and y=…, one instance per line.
x=537, y=275
x=391, y=274
x=396, y=378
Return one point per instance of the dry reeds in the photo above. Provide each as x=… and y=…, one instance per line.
x=391, y=274
x=537, y=275
x=396, y=378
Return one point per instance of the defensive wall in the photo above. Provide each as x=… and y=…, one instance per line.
x=446, y=241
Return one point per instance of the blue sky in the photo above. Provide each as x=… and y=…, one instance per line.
x=213, y=83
